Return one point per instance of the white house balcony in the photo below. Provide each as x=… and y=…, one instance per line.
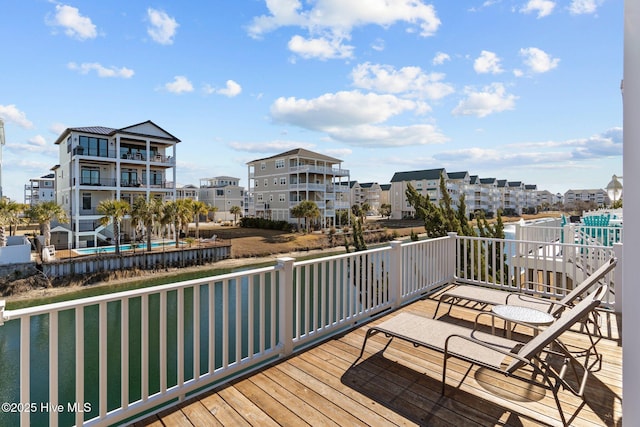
x=123, y=357
x=319, y=169
x=307, y=186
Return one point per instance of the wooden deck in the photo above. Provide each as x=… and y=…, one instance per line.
x=401, y=387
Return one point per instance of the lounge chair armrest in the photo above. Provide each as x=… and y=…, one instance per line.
x=482, y=344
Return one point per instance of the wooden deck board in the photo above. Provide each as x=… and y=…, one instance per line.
x=401, y=386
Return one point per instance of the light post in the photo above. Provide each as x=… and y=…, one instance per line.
x=614, y=189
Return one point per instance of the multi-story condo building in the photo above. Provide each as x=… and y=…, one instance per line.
x=595, y=198
x=188, y=191
x=385, y=190
x=531, y=197
x=490, y=196
x=40, y=190
x=426, y=182
x=513, y=196
x=366, y=193
x=222, y=193
x=100, y=163
x=280, y=182
x=547, y=200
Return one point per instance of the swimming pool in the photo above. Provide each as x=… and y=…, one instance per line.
x=127, y=247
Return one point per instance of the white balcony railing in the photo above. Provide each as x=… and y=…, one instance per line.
x=114, y=358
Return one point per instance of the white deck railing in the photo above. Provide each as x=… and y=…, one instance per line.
x=122, y=356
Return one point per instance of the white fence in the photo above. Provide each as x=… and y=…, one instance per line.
x=119, y=357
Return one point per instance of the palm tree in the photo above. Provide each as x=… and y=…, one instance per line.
x=170, y=216
x=310, y=211
x=114, y=211
x=298, y=212
x=45, y=212
x=235, y=211
x=4, y=219
x=146, y=213
x=184, y=217
x=199, y=208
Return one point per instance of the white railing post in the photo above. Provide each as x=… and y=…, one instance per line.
x=451, y=256
x=395, y=279
x=285, y=265
x=568, y=234
x=617, y=277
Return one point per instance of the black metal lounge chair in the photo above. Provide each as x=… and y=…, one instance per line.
x=490, y=297
x=497, y=353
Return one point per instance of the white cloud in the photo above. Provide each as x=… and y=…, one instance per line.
x=11, y=114
x=492, y=99
x=583, y=7
x=354, y=118
x=542, y=7
x=102, y=71
x=378, y=45
x=74, y=24
x=487, y=62
x=37, y=144
x=180, y=84
x=57, y=128
x=389, y=136
x=440, y=58
x=232, y=89
x=538, y=60
x=338, y=18
x=341, y=109
x=412, y=81
x=321, y=48
x=270, y=146
x=162, y=28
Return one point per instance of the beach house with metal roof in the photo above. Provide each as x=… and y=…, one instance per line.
x=100, y=163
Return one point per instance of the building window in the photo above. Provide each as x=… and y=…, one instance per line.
x=89, y=176
x=86, y=201
x=281, y=197
x=263, y=166
x=93, y=146
x=279, y=163
x=283, y=181
x=129, y=178
x=266, y=182
x=275, y=181
x=270, y=197
x=259, y=197
x=219, y=192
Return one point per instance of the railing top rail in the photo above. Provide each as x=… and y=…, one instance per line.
x=340, y=256
x=83, y=302
x=417, y=242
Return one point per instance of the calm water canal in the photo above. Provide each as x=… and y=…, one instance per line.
x=39, y=355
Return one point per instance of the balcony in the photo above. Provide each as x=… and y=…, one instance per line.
x=298, y=326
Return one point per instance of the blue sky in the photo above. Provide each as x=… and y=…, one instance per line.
x=524, y=90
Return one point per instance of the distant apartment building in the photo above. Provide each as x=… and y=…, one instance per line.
x=188, y=191
x=547, y=200
x=222, y=193
x=368, y=193
x=512, y=196
x=40, y=190
x=531, y=198
x=591, y=198
x=279, y=183
x=100, y=163
x=425, y=182
x=385, y=190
